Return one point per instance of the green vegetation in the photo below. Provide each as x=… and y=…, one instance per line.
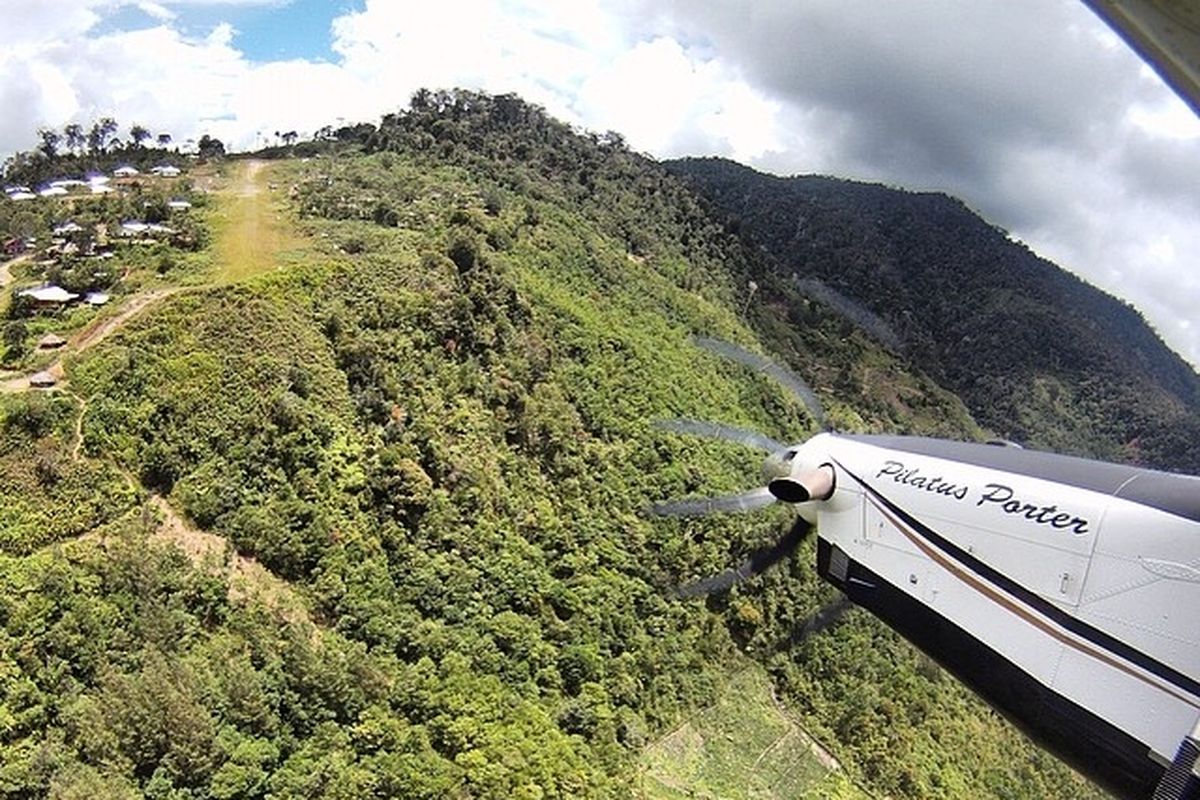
x=47, y=494
x=436, y=424
x=743, y=746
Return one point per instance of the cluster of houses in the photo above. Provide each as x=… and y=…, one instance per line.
x=69, y=238
x=64, y=242
x=93, y=183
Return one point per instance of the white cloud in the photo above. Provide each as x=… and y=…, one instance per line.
x=155, y=10
x=29, y=24
x=278, y=3
x=1167, y=116
x=668, y=102
x=1032, y=112
x=577, y=59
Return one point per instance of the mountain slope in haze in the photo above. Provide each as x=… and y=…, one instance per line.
x=1038, y=355
x=435, y=420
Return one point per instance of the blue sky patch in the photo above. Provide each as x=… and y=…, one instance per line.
x=299, y=29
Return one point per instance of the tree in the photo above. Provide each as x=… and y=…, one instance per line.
x=50, y=141
x=289, y=138
x=164, y=139
x=422, y=100
x=101, y=132
x=75, y=137
x=138, y=134
x=14, y=341
x=209, y=147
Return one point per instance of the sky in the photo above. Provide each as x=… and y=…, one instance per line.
x=1031, y=111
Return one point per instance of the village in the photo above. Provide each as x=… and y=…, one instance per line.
x=72, y=244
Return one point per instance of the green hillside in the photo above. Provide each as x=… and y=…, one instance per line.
x=426, y=408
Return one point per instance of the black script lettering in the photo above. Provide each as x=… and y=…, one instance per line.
x=995, y=493
x=890, y=468
x=913, y=478
x=1001, y=495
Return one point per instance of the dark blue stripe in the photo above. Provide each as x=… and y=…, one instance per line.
x=1042, y=606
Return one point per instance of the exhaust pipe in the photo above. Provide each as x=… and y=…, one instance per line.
x=815, y=484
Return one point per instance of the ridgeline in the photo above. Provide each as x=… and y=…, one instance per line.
x=1036, y=354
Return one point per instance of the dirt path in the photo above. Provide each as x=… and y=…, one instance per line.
x=100, y=329
x=77, y=448
x=6, y=269
x=92, y=335
x=248, y=185
x=6, y=277
x=248, y=580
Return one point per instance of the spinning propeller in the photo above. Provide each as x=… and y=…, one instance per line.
x=786, y=479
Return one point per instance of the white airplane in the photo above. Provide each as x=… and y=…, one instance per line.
x=1064, y=591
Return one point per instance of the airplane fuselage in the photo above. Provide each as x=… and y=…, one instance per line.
x=1064, y=591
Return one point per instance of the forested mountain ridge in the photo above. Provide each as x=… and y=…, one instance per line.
x=435, y=419
x=1037, y=354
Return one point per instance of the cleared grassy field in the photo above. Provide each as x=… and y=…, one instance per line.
x=743, y=747
x=251, y=230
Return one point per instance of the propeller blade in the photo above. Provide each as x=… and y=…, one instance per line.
x=699, y=506
x=827, y=616
x=755, y=563
x=788, y=379
x=715, y=430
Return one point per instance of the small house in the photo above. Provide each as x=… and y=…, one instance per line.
x=52, y=191
x=22, y=196
x=51, y=341
x=125, y=171
x=42, y=380
x=166, y=171
x=95, y=298
x=48, y=295
x=14, y=247
x=178, y=205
